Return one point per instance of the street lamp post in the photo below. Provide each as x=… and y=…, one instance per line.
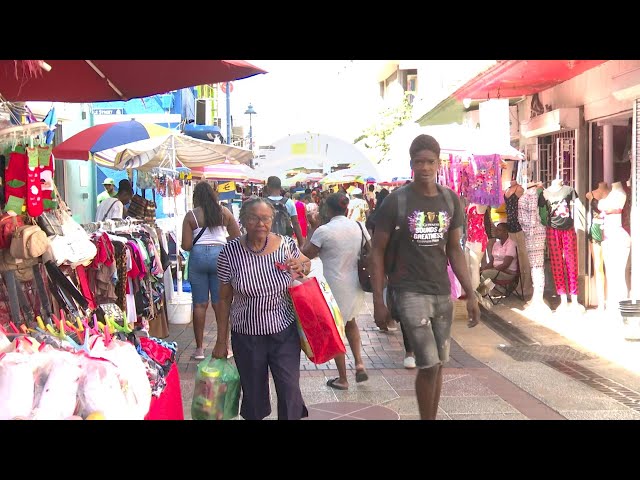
x=250, y=111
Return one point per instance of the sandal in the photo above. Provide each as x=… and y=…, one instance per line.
x=332, y=383
x=361, y=376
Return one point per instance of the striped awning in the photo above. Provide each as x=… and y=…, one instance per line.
x=174, y=149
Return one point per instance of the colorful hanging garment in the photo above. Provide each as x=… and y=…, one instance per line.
x=459, y=179
x=484, y=181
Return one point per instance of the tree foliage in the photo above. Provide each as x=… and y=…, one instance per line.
x=391, y=117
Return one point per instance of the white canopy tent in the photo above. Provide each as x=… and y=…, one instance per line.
x=280, y=166
x=353, y=174
x=171, y=151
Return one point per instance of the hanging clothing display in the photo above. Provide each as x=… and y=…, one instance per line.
x=511, y=203
x=476, y=242
x=534, y=238
x=127, y=271
x=28, y=179
x=459, y=182
x=475, y=227
x=559, y=200
x=511, y=199
x=80, y=307
x=561, y=236
x=485, y=186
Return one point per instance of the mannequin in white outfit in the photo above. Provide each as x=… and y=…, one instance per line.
x=616, y=245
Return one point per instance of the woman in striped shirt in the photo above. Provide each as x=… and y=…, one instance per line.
x=255, y=271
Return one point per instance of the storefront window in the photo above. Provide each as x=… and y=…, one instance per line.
x=552, y=156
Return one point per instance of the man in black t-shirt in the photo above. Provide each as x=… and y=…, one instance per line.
x=417, y=232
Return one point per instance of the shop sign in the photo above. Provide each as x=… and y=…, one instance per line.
x=108, y=111
x=226, y=187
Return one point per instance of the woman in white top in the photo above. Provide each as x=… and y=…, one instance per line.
x=205, y=230
x=338, y=244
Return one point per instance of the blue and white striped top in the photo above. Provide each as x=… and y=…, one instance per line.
x=261, y=303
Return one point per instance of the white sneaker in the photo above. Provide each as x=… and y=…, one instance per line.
x=409, y=362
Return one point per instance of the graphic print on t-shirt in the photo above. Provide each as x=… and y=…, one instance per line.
x=428, y=228
x=561, y=209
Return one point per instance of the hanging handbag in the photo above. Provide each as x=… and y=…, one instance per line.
x=51, y=223
x=28, y=241
x=21, y=267
x=74, y=245
x=364, y=261
x=136, y=207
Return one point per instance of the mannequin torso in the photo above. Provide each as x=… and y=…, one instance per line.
x=475, y=224
x=514, y=188
x=616, y=245
x=479, y=208
x=560, y=199
x=599, y=193
x=615, y=200
x=528, y=214
x=611, y=206
x=511, y=197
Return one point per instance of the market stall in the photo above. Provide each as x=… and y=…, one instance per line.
x=76, y=301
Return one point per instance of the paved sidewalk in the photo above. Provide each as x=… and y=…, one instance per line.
x=471, y=389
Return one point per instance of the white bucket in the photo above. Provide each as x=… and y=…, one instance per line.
x=179, y=309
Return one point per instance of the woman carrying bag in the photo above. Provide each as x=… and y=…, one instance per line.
x=255, y=273
x=205, y=230
x=338, y=243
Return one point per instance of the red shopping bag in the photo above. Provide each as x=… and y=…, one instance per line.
x=319, y=320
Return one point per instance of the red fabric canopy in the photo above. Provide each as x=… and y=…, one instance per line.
x=517, y=78
x=77, y=81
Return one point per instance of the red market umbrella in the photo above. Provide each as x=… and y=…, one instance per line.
x=105, y=136
x=78, y=81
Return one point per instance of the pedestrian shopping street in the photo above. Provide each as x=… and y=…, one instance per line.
x=509, y=367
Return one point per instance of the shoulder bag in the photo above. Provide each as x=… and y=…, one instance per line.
x=364, y=260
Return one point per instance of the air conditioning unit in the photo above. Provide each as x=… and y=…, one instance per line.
x=204, y=111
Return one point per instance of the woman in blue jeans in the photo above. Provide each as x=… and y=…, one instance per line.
x=205, y=230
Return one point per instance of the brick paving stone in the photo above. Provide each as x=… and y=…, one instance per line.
x=383, y=354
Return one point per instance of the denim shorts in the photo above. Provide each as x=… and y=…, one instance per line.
x=427, y=323
x=203, y=273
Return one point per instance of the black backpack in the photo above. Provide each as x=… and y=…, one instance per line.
x=282, y=220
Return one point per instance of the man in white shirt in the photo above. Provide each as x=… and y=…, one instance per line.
x=503, y=260
x=114, y=207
